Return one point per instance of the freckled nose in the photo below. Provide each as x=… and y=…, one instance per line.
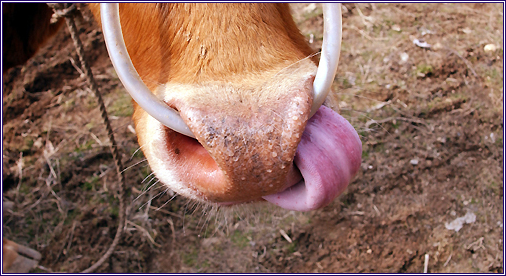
x=252, y=143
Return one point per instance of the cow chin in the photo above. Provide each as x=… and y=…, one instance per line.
x=247, y=135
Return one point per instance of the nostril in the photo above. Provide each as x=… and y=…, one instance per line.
x=190, y=142
x=294, y=176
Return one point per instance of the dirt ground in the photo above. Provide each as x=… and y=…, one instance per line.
x=431, y=123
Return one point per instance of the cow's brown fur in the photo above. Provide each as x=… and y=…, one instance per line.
x=26, y=27
x=192, y=43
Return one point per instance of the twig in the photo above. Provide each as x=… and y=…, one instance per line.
x=166, y=212
x=81, y=73
x=145, y=233
x=447, y=260
x=172, y=228
x=364, y=18
x=283, y=233
x=357, y=213
x=379, y=106
x=20, y=172
x=369, y=123
x=44, y=269
x=71, y=236
x=426, y=264
x=96, y=138
x=478, y=244
x=367, y=36
x=376, y=209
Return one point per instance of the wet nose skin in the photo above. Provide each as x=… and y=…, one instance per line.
x=248, y=143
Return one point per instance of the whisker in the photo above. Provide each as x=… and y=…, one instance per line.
x=218, y=212
x=209, y=213
x=152, y=173
x=131, y=157
x=131, y=166
x=194, y=205
x=159, y=194
x=200, y=219
x=115, y=130
x=277, y=114
x=144, y=192
x=370, y=118
x=184, y=217
x=153, y=82
x=358, y=96
x=167, y=201
x=150, y=199
x=308, y=57
x=148, y=184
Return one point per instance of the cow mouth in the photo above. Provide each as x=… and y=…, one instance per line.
x=327, y=157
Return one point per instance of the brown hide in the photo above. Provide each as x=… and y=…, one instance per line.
x=26, y=27
x=192, y=43
x=18, y=258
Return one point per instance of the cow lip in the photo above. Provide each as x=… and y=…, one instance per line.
x=299, y=180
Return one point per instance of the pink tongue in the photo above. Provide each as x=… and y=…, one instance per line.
x=328, y=156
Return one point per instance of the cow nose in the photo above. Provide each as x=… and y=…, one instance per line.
x=251, y=137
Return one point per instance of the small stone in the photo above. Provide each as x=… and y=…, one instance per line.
x=310, y=8
x=441, y=140
x=421, y=44
x=490, y=48
x=492, y=137
x=437, y=46
x=38, y=143
x=404, y=57
x=466, y=30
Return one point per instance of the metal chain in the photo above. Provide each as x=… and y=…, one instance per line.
x=68, y=10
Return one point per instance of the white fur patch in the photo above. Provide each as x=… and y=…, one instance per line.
x=160, y=160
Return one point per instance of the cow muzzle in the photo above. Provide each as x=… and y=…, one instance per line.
x=248, y=140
